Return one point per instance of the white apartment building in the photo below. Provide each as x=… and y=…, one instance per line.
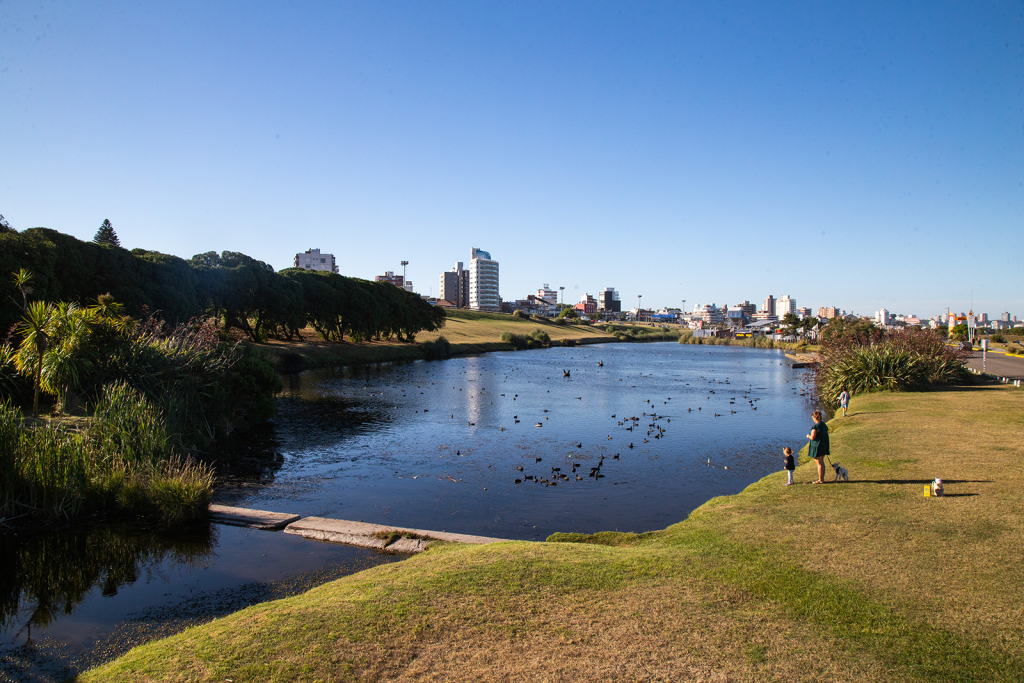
x=548, y=294
x=709, y=313
x=882, y=316
x=784, y=305
x=483, y=281
x=312, y=259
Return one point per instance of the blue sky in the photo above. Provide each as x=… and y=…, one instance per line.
x=850, y=154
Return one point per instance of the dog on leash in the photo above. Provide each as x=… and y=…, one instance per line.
x=841, y=472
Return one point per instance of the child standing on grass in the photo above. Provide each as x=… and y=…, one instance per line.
x=790, y=464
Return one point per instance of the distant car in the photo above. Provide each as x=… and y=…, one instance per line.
x=966, y=346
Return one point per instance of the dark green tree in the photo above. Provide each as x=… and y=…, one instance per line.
x=791, y=322
x=5, y=226
x=106, y=234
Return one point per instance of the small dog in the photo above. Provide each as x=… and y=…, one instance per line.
x=841, y=472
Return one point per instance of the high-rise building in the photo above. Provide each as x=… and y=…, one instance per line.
x=455, y=286
x=803, y=313
x=785, y=305
x=483, y=281
x=608, y=301
x=312, y=259
x=1005, y=317
x=769, y=305
x=882, y=316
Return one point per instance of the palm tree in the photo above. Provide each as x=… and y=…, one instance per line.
x=36, y=326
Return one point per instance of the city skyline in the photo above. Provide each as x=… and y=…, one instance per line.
x=855, y=155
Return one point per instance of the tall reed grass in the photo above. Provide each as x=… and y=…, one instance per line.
x=122, y=462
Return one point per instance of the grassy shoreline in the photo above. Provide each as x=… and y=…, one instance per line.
x=867, y=581
x=468, y=332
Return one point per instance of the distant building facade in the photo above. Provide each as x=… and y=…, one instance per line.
x=455, y=286
x=396, y=280
x=747, y=308
x=548, y=294
x=312, y=259
x=587, y=305
x=483, y=281
x=785, y=304
x=828, y=312
x=709, y=313
x=608, y=301
x=769, y=305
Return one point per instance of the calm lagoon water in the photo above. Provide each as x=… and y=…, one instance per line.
x=436, y=445
x=433, y=445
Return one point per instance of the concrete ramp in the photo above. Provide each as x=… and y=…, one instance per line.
x=363, y=534
x=254, y=519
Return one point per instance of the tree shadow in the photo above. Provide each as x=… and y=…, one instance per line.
x=957, y=495
x=918, y=481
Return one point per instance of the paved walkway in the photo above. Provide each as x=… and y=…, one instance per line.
x=998, y=364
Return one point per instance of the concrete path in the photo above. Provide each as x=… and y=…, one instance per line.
x=254, y=519
x=366, y=535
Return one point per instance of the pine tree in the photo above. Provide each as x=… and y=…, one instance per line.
x=106, y=234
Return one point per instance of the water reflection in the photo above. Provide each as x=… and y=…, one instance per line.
x=45, y=575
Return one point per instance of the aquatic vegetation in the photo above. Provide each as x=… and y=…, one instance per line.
x=121, y=461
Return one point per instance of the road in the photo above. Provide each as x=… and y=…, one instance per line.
x=999, y=365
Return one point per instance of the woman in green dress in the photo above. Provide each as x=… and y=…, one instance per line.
x=818, y=448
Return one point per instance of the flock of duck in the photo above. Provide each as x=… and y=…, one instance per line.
x=654, y=430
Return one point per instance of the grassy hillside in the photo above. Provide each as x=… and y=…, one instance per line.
x=866, y=581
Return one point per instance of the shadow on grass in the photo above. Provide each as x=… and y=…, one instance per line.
x=915, y=481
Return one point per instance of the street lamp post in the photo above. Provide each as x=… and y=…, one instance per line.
x=561, y=293
x=638, y=297
x=404, y=264
x=684, y=312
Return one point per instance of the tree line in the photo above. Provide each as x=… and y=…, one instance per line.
x=235, y=290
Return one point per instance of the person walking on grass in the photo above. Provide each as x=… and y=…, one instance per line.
x=844, y=400
x=818, y=448
x=790, y=464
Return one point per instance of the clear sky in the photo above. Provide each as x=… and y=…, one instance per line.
x=856, y=154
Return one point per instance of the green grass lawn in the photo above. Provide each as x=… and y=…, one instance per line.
x=866, y=581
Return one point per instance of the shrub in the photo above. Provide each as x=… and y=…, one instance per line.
x=901, y=360
x=439, y=349
x=291, y=362
x=519, y=341
x=541, y=337
x=521, y=314
x=998, y=338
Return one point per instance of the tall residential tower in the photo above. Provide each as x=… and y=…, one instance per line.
x=483, y=282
